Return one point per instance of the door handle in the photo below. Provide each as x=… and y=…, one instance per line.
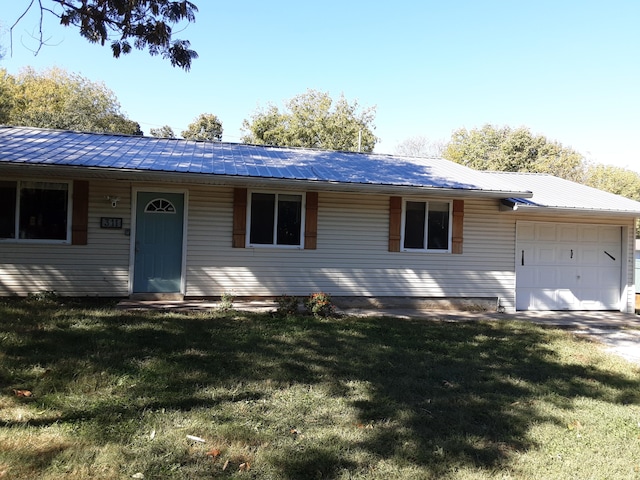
x=522, y=258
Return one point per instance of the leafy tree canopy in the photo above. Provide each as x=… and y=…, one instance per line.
x=126, y=24
x=163, y=132
x=313, y=120
x=206, y=126
x=614, y=179
x=513, y=150
x=57, y=99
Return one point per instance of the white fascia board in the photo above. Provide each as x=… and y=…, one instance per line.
x=538, y=209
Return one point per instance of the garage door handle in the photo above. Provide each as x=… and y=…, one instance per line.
x=610, y=256
x=572, y=253
x=522, y=259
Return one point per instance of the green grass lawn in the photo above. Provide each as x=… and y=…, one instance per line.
x=88, y=391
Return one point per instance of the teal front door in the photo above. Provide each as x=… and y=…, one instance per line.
x=158, y=242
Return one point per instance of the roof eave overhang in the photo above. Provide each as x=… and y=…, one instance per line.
x=247, y=181
x=510, y=206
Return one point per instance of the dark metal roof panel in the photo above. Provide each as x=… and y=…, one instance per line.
x=41, y=146
x=551, y=192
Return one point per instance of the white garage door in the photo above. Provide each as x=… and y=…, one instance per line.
x=563, y=266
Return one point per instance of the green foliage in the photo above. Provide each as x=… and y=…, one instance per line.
x=287, y=305
x=206, y=127
x=614, y=180
x=226, y=301
x=513, y=150
x=163, y=132
x=320, y=305
x=313, y=120
x=55, y=98
x=140, y=24
x=44, y=296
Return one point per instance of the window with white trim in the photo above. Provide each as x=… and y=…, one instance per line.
x=275, y=219
x=426, y=226
x=34, y=210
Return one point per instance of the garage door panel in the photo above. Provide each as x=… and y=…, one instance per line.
x=610, y=235
x=568, y=277
x=589, y=255
x=568, y=266
x=568, y=233
x=589, y=233
x=545, y=255
x=545, y=233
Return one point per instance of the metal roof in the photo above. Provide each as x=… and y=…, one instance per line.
x=551, y=192
x=35, y=146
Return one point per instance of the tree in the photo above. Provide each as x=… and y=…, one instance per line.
x=163, y=132
x=614, y=180
x=420, y=147
x=127, y=24
x=205, y=127
x=506, y=149
x=312, y=120
x=57, y=99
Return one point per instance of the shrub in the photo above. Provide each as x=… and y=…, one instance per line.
x=319, y=304
x=43, y=296
x=226, y=301
x=287, y=305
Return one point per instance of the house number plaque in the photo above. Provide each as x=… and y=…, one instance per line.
x=110, y=222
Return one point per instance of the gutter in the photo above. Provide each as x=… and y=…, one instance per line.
x=131, y=175
x=508, y=205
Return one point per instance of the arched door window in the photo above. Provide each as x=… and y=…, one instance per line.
x=160, y=205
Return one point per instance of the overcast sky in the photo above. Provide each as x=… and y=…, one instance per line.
x=569, y=70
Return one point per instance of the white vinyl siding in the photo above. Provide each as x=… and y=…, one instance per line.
x=100, y=268
x=352, y=257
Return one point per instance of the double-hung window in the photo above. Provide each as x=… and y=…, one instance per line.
x=426, y=226
x=34, y=210
x=276, y=219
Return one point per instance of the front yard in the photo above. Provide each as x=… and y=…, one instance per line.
x=89, y=391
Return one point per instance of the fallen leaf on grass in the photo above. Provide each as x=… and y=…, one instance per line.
x=214, y=453
x=368, y=426
x=226, y=464
x=574, y=425
x=244, y=467
x=193, y=438
x=22, y=393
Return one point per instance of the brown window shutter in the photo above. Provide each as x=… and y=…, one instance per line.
x=311, y=222
x=80, y=214
x=458, y=223
x=395, y=220
x=239, y=217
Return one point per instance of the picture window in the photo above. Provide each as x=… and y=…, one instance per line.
x=275, y=219
x=426, y=226
x=34, y=210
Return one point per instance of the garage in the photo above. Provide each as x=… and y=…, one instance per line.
x=567, y=266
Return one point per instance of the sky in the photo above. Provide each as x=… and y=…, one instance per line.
x=565, y=69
